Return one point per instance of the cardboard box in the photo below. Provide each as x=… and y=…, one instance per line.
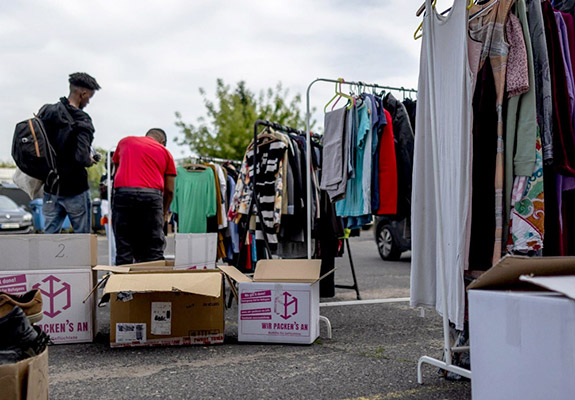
x=196, y=250
x=165, y=308
x=280, y=304
x=27, y=379
x=67, y=319
x=41, y=252
x=523, y=337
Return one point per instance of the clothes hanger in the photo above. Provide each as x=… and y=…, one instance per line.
x=194, y=167
x=419, y=31
x=349, y=97
x=338, y=94
x=483, y=10
x=417, y=34
x=267, y=136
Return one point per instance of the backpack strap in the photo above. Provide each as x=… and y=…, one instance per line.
x=36, y=147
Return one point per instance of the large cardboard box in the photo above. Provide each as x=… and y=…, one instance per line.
x=67, y=319
x=165, y=308
x=25, y=380
x=196, y=250
x=41, y=252
x=523, y=337
x=280, y=304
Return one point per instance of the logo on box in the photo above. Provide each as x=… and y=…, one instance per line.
x=285, y=305
x=54, y=289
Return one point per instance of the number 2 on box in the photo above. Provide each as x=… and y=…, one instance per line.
x=61, y=252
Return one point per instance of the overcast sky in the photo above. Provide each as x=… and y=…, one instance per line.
x=151, y=57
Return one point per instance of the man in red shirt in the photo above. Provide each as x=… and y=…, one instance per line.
x=143, y=191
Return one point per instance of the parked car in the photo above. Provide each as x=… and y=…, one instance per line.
x=392, y=237
x=13, y=218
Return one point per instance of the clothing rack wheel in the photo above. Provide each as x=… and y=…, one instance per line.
x=355, y=285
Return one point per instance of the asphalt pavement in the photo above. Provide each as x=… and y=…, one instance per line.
x=372, y=355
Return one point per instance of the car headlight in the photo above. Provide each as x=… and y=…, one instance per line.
x=27, y=217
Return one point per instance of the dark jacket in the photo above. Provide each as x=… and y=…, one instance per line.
x=404, y=140
x=71, y=133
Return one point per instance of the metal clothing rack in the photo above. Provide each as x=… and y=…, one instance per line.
x=213, y=159
x=359, y=84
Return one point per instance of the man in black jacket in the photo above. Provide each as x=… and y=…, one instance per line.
x=71, y=133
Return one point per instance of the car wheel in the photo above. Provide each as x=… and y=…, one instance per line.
x=386, y=243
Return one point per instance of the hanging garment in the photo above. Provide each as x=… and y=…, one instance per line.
x=222, y=183
x=269, y=183
x=194, y=199
x=442, y=164
x=570, y=28
x=233, y=244
x=403, y=137
x=334, y=154
x=565, y=50
x=563, y=141
x=543, y=93
x=527, y=224
x=567, y=6
x=387, y=170
x=489, y=29
x=411, y=107
x=352, y=205
x=219, y=215
x=367, y=159
x=565, y=183
x=521, y=130
x=484, y=152
x=378, y=121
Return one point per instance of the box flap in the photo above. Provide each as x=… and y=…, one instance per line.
x=234, y=273
x=206, y=283
x=505, y=274
x=295, y=271
x=161, y=265
x=107, y=268
x=560, y=284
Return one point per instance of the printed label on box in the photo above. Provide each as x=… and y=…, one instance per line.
x=127, y=332
x=161, y=318
x=65, y=317
x=277, y=313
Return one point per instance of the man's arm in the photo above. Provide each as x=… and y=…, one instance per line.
x=169, y=185
x=83, y=155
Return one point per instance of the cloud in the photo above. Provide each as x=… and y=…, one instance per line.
x=150, y=57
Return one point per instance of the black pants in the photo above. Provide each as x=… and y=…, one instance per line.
x=138, y=220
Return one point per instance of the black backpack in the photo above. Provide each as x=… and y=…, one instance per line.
x=33, y=153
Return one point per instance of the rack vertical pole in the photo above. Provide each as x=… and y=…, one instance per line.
x=109, y=195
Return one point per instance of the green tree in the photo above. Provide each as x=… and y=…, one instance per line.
x=7, y=164
x=227, y=128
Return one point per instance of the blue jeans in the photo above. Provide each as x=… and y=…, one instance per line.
x=77, y=208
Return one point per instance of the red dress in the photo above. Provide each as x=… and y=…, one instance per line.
x=387, y=170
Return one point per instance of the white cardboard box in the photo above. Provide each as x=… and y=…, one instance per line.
x=66, y=319
x=196, y=250
x=41, y=252
x=523, y=342
x=280, y=304
x=522, y=345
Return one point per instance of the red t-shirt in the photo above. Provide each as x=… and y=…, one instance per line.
x=143, y=163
